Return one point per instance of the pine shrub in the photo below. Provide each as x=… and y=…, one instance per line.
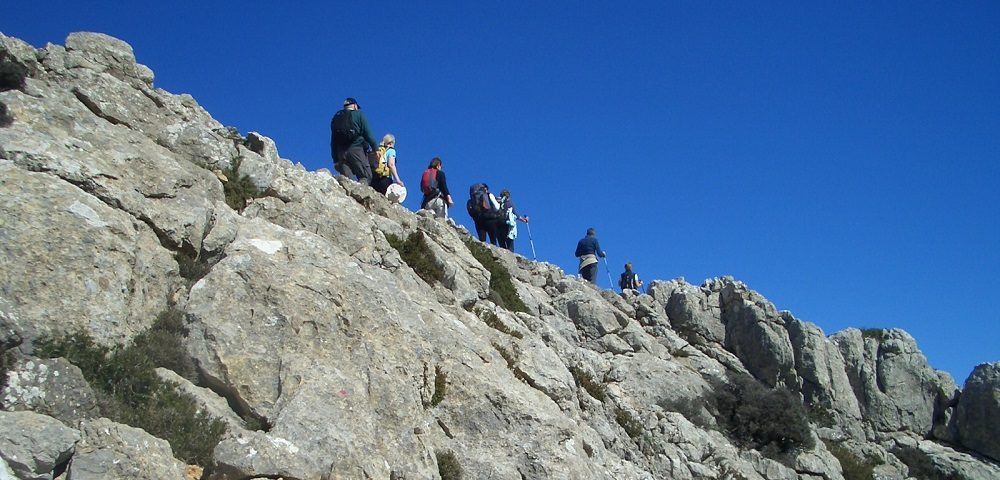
x=239, y=189
x=129, y=391
x=502, y=290
x=583, y=379
x=765, y=419
x=440, y=385
x=415, y=252
x=448, y=466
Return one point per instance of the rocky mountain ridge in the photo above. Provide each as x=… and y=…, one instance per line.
x=327, y=352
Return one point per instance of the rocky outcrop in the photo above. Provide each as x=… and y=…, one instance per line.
x=976, y=419
x=110, y=451
x=34, y=445
x=328, y=355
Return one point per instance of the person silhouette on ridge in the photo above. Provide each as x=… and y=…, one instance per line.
x=629, y=279
x=587, y=250
x=349, y=134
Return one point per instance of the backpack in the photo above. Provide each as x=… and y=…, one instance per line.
x=343, y=128
x=627, y=281
x=479, y=204
x=429, y=183
x=382, y=170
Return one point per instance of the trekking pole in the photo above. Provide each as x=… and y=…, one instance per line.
x=608, y=269
x=531, y=241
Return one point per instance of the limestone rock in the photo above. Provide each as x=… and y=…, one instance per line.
x=976, y=417
x=33, y=445
x=52, y=387
x=17, y=62
x=927, y=459
x=895, y=387
x=110, y=450
x=70, y=261
x=304, y=321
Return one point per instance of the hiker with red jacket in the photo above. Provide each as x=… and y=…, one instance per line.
x=349, y=132
x=434, y=185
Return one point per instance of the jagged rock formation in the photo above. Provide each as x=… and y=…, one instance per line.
x=327, y=356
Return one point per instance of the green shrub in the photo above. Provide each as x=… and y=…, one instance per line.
x=876, y=333
x=415, y=252
x=761, y=418
x=448, y=466
x=129, y=391
x=512, y=363
x=583, y=379
x=492, y=320
x=630, y=423
x=854, y=467
x=502, y=290
x=440, y=384
x=239, y=189
x=690, y=407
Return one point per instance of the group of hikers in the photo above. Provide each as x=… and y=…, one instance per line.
x=356, y=155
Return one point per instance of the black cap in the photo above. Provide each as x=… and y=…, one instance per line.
x=351, y=101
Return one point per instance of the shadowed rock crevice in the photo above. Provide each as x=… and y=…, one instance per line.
x=6, y=119
x=96, y=109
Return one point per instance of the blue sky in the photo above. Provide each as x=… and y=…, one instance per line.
x=841, y=158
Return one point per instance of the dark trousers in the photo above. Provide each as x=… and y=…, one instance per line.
x=354, y=162
x=503, y=230
x=590, y=273
x=487, y=227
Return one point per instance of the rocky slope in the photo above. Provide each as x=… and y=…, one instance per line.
x=327, y=356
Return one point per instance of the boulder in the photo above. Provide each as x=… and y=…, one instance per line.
x=977, y=417
x=52, y=387
x=110, y=451
x=34, y=445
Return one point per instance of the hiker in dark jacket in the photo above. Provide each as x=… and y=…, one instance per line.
x=348, y=148
x=487, y=218
x=629, y=279
x=439, y=199
x=587, y=250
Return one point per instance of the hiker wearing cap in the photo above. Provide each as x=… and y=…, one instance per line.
x=629, y=279
x=587, y=250
x=349, y=134
x=508, y=227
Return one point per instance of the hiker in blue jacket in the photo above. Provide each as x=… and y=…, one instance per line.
x=587, y=250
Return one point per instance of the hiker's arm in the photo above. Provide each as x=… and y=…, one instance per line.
x=392, y=170
x=366, y=131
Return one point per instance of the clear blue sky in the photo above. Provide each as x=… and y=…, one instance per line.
x=841, y=158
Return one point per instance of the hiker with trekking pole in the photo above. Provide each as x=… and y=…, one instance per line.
x=508, y=229
x=587, y=250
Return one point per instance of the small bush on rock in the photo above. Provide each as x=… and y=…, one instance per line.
x=854, y=467
x=583, y=379
x=502, y=290
x=493, y=321
x=415, y=252
x=765, y=419
x=448, y=466
x=129, y=391
x=440, y=384
x=239, y=189
x=629, y=422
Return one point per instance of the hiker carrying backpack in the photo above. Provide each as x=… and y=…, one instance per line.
x=629, y=279
x=385, y=165
x=344, y=132
x=434, y=186
x=349, y=132
x=485, y=212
